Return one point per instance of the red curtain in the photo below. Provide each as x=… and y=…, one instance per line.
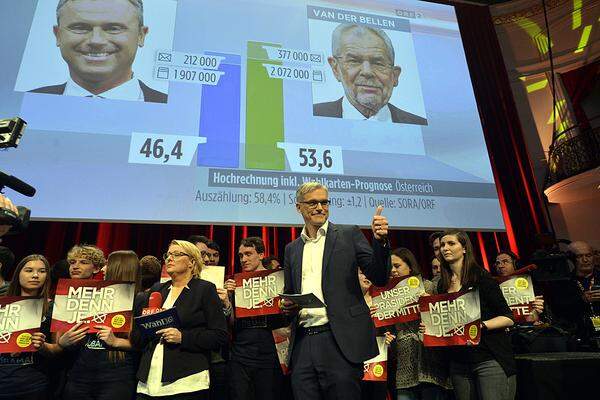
x=54, y=239
x=520, y=201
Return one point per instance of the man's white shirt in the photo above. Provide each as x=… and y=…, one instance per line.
x=312, y=268
x=350, y=112
x=129, y=90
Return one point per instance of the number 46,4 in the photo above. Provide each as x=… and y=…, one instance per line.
x=156, y=149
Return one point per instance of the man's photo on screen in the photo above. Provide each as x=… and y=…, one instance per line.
x=99, y=41
x=362, y=60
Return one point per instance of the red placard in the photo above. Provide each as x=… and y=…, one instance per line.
x=107, y=303
x=257, y=293
x=452, y=319
x=164, y=276
x=518, y=293
x=19, y=318
x=398, y=301
x=282, y=344
x=375, y=369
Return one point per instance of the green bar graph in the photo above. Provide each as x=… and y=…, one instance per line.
x=264, y=111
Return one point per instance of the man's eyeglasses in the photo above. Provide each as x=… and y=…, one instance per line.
x=174, y=255
x=379, y=65
x=314, y=203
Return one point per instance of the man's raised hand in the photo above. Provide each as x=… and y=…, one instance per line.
x=379, y=224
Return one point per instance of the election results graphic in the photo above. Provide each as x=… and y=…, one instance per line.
x=231, y=110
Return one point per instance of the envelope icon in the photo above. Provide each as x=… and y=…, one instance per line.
x=164, y=57
x=315, y=58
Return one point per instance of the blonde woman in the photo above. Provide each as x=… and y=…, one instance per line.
x=175, y=363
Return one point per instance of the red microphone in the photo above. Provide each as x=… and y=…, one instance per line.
x=154, y=304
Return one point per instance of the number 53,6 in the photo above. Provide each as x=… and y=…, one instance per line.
x=314, y=158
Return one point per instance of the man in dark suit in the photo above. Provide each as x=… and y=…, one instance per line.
x=363, y=61
x=149, y=95
x=334, y=109
x=98, y=39
x=329, y=345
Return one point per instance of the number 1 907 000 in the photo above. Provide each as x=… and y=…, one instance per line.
x=198, y=76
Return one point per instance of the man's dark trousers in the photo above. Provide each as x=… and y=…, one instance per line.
x=320, y=371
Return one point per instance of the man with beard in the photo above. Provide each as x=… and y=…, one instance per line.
x=363, y=61
x=98, y=39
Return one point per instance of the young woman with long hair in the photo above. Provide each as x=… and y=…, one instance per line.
x=486, y=371
x=25, y=375
x=422, y=373
x=104, y=363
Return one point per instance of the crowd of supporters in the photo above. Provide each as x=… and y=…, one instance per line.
x=214, y=355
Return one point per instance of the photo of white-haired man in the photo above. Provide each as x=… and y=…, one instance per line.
x=362, y=61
